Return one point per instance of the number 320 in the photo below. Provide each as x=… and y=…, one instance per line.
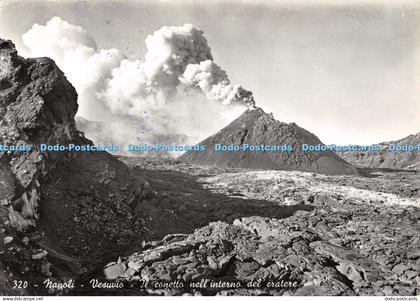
x=20, y=284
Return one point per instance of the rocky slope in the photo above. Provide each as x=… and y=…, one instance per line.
x=56, y=207
x=359, y=236
x=255, y=127
x=385, y=158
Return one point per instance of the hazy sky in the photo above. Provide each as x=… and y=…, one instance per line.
x=348, y=73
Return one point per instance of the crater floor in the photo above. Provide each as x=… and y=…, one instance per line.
x=332, y=235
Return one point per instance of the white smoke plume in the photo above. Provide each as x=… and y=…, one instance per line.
x=177, y=94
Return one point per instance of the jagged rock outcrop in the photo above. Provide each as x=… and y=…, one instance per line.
x=385, y=157
x=255, y=127
x=77, y=201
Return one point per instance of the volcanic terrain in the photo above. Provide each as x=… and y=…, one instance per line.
x=318, y=227
x=255, y=127
x=333, y=235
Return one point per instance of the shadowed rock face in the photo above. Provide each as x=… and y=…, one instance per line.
x=37, y=105
x=385, y=158
x=256, y=127
x=79, y=201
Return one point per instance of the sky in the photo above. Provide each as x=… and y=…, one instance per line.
x=349, y=73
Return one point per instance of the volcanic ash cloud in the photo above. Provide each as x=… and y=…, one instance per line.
x=176, y=93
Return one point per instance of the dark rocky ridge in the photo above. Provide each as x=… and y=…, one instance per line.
x=69, y=201
x=256, y=127
x=385, y=158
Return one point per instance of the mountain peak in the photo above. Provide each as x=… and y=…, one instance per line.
x=255, y=127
